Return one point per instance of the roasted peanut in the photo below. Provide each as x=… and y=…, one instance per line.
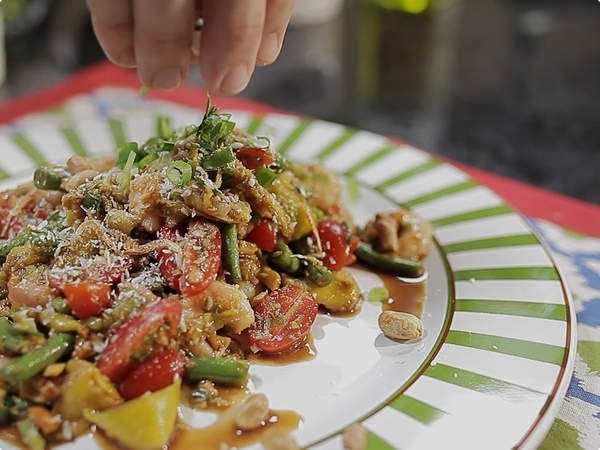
x=79, y=178
x=252, y=412
x=399, y=325
x=54, y=370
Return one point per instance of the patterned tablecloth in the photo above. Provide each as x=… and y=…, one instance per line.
x=552, y=215
x=578, y=422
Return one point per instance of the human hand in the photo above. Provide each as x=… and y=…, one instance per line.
x=156, y=37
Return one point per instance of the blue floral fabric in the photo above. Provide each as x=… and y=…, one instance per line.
x=578, y=422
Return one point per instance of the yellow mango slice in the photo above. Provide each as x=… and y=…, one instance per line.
x=295, y=205
x=341, y=295
x=86, y=388
x=145, y=423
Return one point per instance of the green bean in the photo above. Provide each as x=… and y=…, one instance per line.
x=397, y=266
x=44, y=237
x=225, y=371
x=283, y=259
x=304, y=246
x=30, y=435
x=10, y=338
x=47, y=179
x=231, y=253
x=62, y=323
x=17, y=241
x=61, y=305
x=34, y=362
x=319, y=274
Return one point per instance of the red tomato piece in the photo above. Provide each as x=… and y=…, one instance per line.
x=264, y=235
x=115, y=360
x=168, y=256
x=154, y=373
x=283, y=319
x=334, y=238
x=197, y=262
x=253, y=158
x=87, y=298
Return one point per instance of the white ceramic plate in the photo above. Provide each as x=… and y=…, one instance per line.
x=498, y=350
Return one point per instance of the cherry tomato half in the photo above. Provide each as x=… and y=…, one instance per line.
x=283, y=319
x=192, y=266
x=154, y=373
x=87, y=298
x=115, y=361
x=334, y=238
x=264, y=235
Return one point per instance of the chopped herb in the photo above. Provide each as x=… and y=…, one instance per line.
x=144, y=90
x=126, y=174
x=150, y=157
x=163, y=125
x=214, y=128
x=93, y=202
x=179, y=173
x=378, y=294
x=265, y=176
x=218, y=159
x=124, y=151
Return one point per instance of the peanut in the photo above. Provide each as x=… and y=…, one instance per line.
x=252, y=412
x=400, y=325
x=54, y=370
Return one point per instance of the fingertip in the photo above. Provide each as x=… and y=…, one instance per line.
x=126, y=59
x=235, y=79
x=269, y=50
x=166, y=79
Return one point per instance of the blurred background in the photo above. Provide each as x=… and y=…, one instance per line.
x=512, y=86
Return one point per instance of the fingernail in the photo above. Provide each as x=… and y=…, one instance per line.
x=127, y=58
x=235, y=79
x=268, y=49
x=169, y=78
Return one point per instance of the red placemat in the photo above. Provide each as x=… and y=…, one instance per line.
x=532, y=201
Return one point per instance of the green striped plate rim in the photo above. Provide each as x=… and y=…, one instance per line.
x=463, y=215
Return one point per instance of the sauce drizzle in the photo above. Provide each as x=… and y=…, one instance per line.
x=403, y=296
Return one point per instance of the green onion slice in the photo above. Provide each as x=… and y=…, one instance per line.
x=265, y=176
x=124, y=151
x=378, y=294
x=126, y=175
x=218, y=159
x=179, y=173
x=147, y=159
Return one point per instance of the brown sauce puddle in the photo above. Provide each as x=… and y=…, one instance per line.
x=403, y=296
